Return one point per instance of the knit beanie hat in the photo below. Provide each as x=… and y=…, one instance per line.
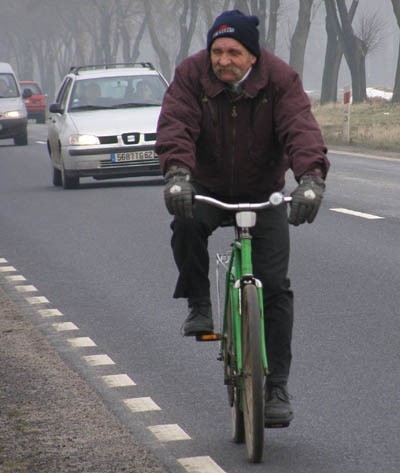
x=234, y=24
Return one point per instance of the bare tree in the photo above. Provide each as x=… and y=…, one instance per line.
x=273, y=24
x=187, y=23
x=334, y=52
x=355, y=51
x=300, y=36
x=396, y=89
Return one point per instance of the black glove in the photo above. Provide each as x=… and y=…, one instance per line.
x=306, y=199
x=179, y=192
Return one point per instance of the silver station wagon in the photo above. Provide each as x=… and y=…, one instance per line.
x=103, y=123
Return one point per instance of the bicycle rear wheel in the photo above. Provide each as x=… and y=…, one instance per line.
x=253, y=374
x=231, y=380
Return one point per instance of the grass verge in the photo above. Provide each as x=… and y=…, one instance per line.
x=373, y=125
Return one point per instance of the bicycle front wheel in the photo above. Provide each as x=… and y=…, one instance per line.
x=253, y=374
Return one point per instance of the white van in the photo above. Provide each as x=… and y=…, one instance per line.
x=13, y=115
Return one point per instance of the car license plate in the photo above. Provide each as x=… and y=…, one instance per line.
x=132, y=156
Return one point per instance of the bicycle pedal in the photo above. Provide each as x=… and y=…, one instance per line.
x=208, y=337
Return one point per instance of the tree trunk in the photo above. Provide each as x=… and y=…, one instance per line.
x=189, y=14
x=334, y=52
x=158, y=48
x=396, y=88
x=300, y=36
x=333, y=59
x=272, y=24
x=354, y=52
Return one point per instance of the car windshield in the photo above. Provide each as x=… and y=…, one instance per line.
x=117, y=92
x=8, y=86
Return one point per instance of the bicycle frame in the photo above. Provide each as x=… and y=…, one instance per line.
x=239, y=272
x=240, y=269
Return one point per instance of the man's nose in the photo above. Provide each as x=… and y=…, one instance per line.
x=224, y=60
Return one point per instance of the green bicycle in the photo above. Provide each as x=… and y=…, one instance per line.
x=242, y=338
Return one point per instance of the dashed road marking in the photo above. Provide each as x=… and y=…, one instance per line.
x=37, y=300
x=82, y=342
x=118, y=380
x=3, y=260
x=200, y=465
x=26, y=288
x=168, y=432
x=7, y=269
x=141, y=404
x=15, y=278
x=98, y=360
x=357, y=214
x=50, y=312
x=65, y=326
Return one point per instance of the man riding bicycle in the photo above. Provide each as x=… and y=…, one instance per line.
x=234, y=119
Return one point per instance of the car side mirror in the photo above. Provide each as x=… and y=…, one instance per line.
x=26, y=93
x=55, y=108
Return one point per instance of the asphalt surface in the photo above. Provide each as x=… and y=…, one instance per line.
x=50, y=419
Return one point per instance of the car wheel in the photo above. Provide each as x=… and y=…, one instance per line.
x=68, y=181
x=21, y=139
x=57, y=178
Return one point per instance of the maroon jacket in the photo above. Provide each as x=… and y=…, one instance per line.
x=239, y=148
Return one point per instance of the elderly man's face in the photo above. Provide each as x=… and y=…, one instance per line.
x=230, y=60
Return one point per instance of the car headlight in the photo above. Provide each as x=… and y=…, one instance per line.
x=15, y=114
x=83, y=140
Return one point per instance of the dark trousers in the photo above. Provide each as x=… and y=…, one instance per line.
x=270, y=245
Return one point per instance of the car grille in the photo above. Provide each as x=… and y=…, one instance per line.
x=108, y=140
x=127, y=138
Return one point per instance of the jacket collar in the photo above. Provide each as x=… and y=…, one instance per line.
x=258, y=79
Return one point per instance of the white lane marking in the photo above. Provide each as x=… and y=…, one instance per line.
x=118, y=380
x=200, y=465
x=50, y=313
x=7, y=269
x=26, y=288
x=15, y=278
x=82, y=342
x=168, y=432
x=3, y=260
x=141, y=404
x=37, y=300
x=65, y=326
x=363, y=155
x=98, y=360
x=357, y=214
x=41, y=142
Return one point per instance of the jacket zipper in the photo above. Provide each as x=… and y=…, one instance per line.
x=234, y=116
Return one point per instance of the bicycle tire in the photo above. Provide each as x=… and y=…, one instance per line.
x=253, y=374
x=231, y=380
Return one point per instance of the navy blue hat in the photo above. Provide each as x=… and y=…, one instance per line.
x=234, y=24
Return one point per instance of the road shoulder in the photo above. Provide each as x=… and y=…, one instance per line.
x=50, y=418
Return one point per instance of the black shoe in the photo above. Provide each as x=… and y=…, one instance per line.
x=199, y=320
x=278, y=411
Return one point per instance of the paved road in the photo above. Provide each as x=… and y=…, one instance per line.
x=100, y=256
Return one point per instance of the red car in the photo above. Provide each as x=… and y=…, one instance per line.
x=37, y=103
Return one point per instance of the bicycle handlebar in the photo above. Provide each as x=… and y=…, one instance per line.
x=275, y=199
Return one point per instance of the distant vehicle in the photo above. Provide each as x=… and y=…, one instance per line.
x=36, y=104
x=103, y=123
x=13, y=115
